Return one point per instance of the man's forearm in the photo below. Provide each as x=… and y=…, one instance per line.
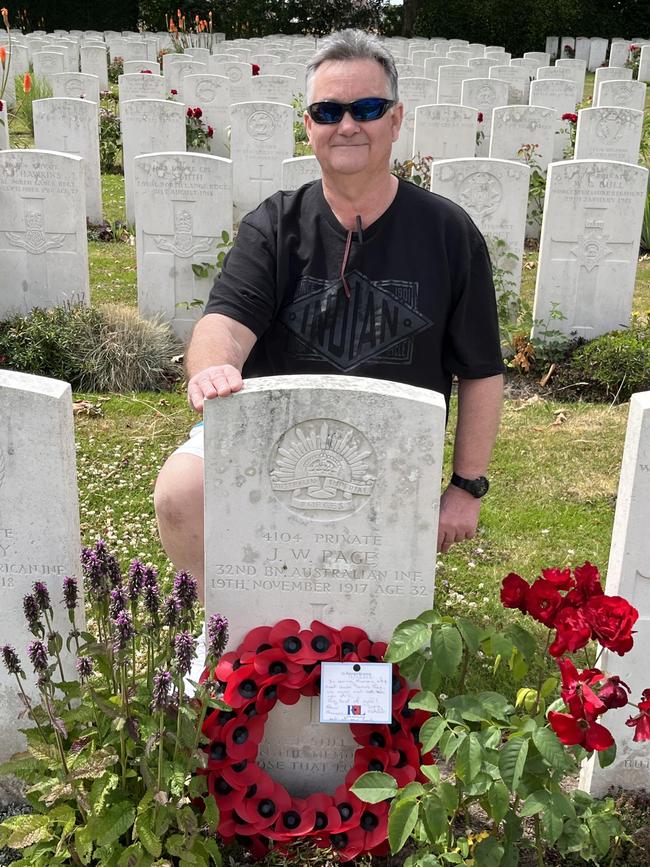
x=217, y=340
x=479, y=412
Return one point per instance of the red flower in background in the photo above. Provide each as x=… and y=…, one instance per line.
x=513, y=592
x=189, y=112
x=173, y=92
x=542, y=601
x=573, y=118
x=614, y=692
x=577, y=693
x=210, y=132
x=611, y=619
x=480, y=117
x=573, y=631
x=580, y=732
x=145, y=72
x=27, y=83
x=641, y=722
x=3, y=54
x=559, y=578
x=197, y=113
x=256, y=68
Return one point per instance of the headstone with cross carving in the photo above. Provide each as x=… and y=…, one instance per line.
x=261, y=138
x=628, y=575
x=609, y=134
x=148, y=126
x=325, y=493
x=43, y=247
x=593, y=211
x=71, y=126
x=495, y=195
x=183, y=204
x=39, y=527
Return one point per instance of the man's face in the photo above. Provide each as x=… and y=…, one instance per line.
x=351, y=147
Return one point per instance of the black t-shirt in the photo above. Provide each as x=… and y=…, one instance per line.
x=422, y=303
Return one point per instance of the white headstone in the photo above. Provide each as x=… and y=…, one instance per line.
x=560, y=95
x=484, y=94
x=178, y=71
x=211, y=93
x=240, y=76
x=597, y=53
x=298, y=171
x=628, y=575
x=609, y=73
x=94, y=61
x=450, y=80
x=619, y=53
x=514, y=126
x=518, y=82
x=331, y=515
x=43, y=246
x=623, y=94
x=261, y=138
x=273, y=88
x=495, y=195
x=578, y=72
x=413, y=92
x=140, y=85
x=39, y=530
x=149, y=66
x=644, y=64
x=541, y=58
x=183, y=203
x=148, y=126
x=593, y=212
x=583, y=49
x=4, y=126
x=71, y=126
x=76, y=85
x=552, y=46
x=609, y=134
x=46, y=63
x=445, y=131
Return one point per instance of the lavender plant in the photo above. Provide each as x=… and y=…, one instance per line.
x=113, y=762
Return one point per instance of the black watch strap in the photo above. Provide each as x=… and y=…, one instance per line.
x=476, y=487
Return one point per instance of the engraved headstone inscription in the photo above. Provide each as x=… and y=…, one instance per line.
x=325, y=490
x=43, y=246
x=445, y=131
x=298, y=171
x=593, y=210
x=183, y=202
x=628, y=575
x=39, y=526
x=609, y=134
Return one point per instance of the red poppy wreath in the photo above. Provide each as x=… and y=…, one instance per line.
x=282, y=663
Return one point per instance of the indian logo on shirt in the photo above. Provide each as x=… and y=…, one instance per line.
x=376, y=322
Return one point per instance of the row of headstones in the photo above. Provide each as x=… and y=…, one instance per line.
x=596, y=51
x=593, y=213
x=372, y=573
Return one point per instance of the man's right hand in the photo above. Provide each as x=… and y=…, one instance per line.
x=217, y=381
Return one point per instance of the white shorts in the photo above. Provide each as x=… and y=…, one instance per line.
x=194, y=445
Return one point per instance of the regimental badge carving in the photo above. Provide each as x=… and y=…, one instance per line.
x=206, y=91
x=74, y=88
x=260, y=125
x=323, y=468
x=591, y=250
x=480, y=193
x=35, y=239
x=183, y=243
x=486, y=94
x=234, y=73
x=613, y=124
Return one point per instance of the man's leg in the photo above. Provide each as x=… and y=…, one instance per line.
x=178, y=500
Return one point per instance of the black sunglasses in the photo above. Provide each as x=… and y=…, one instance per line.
x=369, y=108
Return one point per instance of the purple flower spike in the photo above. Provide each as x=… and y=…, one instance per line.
x=184, y=647
x=217, y=636
x=171, y=610
x=162, y=682
x=123, y=631
x=118, y=602
x=70, y=592
x=150, y=576
x=185, y=590
x=38, y=656
x=136, y=579
x=10, y=659
x=151, y=598
x=32, y=612
x=84, y=667
x=42, y=596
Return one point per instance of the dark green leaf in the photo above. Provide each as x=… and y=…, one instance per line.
x=446, y=648
x=471, y=633
x=434, y=818
x=488, y=853
x=401, y=822
x=411, y=667
x=469, y=758
x=424, y=700
x=606, y=757
x=512, y=759
x=498, y=799
x=430, y=678
x=448, y=795
x=409, y=636
x=431, y=732
x=535, y=803
x=374, y=787
x=549, y=746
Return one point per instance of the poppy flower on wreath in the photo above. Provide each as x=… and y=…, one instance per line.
x=282, y=664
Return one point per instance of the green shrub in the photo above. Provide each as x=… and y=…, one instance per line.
x=645, y=229
x=611, y=367
x=107, y=348
x=110, y=141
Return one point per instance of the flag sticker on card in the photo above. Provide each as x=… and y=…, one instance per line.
x=356, y=692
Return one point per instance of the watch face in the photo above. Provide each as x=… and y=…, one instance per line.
x=479, y=487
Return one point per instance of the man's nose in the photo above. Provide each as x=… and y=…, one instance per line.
x=348, y=125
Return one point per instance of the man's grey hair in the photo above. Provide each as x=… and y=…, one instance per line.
x=354, y=45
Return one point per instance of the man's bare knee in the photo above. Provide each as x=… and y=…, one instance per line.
x=178, y=494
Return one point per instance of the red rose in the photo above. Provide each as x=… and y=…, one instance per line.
x=2, y=105
x=173, y=92
x=210, y=132
x=480, y=117
x=585, y=733
x=611, y=619
x=641, y=722
x=613, y=692
x=189, y=112
x=573, y=631
x=256, y=69
x=197, y=113
x=543, y=601
x=587, y=584
x=573, y=118
x=145, y=72
x=560, y=578
x=513, y=592
x=577, y=694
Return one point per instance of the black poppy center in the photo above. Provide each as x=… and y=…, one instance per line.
x=240, y=766
x=347, y=647
x=321, y=821
x=266, y=808
x=292, y=644
x=369, y=821
x=291, y=820
x=236, y=664
x=397, y=683
x=345, y=810
x=225, y=716
x=277, y=668
x=251, y=791
x=377, y=740
x=320, y=643
x=251, y=711
x=218, y=751
x=408, y=712
x=395, y=727
x=247, y=688
x=223, y=787
x=238, y=819
x=402, y=759
x=263, y=647
x=339, y=841
x=270, y=692
x=240, y=735
x=375, y=765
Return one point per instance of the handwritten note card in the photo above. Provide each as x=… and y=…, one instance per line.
x=356, y=692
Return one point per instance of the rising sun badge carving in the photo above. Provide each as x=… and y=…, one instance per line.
x=323, y=465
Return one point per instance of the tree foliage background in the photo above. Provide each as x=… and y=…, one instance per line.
x=493, y=22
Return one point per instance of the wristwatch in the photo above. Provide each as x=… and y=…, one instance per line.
x=476, y=487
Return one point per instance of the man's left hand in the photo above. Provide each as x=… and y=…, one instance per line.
x=458, y=517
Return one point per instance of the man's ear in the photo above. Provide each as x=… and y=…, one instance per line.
x=396, y=118
x=307, y=122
